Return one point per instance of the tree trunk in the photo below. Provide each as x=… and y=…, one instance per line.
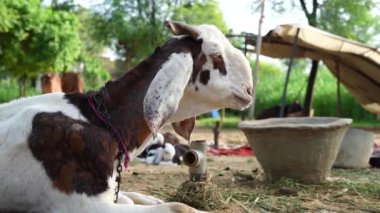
x=22, y=86
x=310, y=88
x=312, y=20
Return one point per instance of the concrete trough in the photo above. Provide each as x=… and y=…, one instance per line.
x=302, y=148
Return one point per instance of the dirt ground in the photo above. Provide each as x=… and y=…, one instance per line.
x=245, y=190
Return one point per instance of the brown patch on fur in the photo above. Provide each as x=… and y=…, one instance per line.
x=67, y=175
x=77, y=156
x=184, y=128
x=218, y=63
x=197, y=67
x=204, y=77
x=76, y=142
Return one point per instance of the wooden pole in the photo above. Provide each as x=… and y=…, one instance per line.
x=258, y=51
x=310, y=88
x=338, y=93
x=292, y=54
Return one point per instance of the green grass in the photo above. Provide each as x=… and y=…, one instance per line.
x=9, y=90
x=232, y=122
x=366, y=124
x=270, y=86
x=269, y=92
x=228, y=122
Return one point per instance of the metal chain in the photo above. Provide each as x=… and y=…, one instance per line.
x=119, y=169
x=101, y=108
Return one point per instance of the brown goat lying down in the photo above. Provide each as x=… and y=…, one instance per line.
x=63, y=152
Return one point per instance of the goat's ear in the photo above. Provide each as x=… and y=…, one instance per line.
x=166, y=90
x=180, y=28
x=184, y=128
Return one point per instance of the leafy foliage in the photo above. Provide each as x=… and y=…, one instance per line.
x=351, y=19
x=36, y=39
x=94, y=73
x=135, y=27
x=9, y=90
x=207, y=12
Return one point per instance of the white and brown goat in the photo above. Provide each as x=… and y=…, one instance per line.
x=58, y=152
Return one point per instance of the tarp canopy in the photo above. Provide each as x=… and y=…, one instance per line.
x=356, y=65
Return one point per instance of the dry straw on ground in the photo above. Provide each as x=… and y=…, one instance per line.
x=201, y=195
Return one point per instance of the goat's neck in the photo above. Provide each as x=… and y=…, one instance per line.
x=124, y=101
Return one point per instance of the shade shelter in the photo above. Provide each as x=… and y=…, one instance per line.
x=356, y=65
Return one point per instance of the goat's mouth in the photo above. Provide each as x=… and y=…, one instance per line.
x=243, y=101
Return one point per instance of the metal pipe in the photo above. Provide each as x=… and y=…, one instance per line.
x=195, y=159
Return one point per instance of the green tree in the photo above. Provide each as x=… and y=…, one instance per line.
x=95, y=74
x=135, y=27
x=206, y=12
x=35, y=39
x=132, y=27
x=351, y=19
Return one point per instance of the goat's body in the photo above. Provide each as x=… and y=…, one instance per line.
x=24, y=180
x=56, y=154
x=26, y=186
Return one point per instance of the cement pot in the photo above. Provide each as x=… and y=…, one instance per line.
x=301, y=148
x=355, y=150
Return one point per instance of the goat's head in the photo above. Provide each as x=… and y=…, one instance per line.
x=216, y=76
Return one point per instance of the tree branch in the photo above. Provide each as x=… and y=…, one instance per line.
x=315, y=7
x=304, y=8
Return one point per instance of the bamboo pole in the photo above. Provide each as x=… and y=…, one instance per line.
x=258, y=51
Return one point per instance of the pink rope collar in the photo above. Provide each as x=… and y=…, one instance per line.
x=115, y=131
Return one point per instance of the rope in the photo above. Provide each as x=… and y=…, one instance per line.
x=119, y=138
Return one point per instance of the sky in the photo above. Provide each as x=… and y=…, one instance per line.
x=240, y=17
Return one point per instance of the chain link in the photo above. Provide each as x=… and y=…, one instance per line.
x=101, y=108
x=119, y=169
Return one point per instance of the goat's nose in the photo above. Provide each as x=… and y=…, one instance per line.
x=249, y=90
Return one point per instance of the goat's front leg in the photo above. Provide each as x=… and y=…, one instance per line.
x=138, y=198
x=87, y=204
x=123, y=199
x=159, y=208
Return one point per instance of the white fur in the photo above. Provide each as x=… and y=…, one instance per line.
x=221, y=89
x=24, y=182
x=166, y=90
